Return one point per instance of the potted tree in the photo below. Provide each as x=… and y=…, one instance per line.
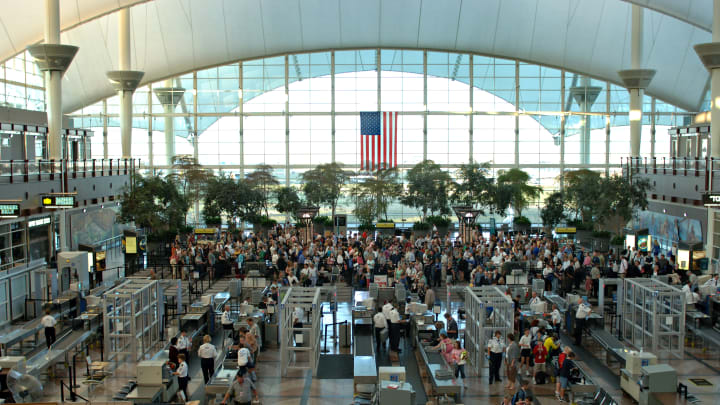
x=427, y=189
x=617, y=243
x=521, y=224
x=553, y=212
x=322, y=223
x=441, y=223
x=421, y=229
x=514, y=184
x=155, y=204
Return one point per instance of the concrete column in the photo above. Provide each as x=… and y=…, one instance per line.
x=125, y=81
x=709, y=54
x=169, y=97
x=636, y=80
x=53, y=60
x=585, y=96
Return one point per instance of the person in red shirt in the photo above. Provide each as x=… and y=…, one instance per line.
x=539, y=356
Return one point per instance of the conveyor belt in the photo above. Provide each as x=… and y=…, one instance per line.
x=707, y=333
x=47, y=358
x=363, y=343
x=434, y=361
x=21, y=333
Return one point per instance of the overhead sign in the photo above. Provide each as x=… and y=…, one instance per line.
x=9, y=210
x=711, y=199
x=205, y=231
x=58, y=201
x=385, y=225
x=566, y=230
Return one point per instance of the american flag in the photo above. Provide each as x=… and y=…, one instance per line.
x=378, y=140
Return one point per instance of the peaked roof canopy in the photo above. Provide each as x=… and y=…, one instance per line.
x=175, y=36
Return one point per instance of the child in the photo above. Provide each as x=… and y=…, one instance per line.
x=459, y=356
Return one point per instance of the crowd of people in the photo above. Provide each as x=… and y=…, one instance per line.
x=421, y=262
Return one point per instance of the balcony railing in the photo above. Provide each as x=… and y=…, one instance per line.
x=24, y=171
x=706, y=168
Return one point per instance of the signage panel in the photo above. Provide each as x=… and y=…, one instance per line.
x=9, y=210
x=566, y=230
x=711, y=199
x=57, y=201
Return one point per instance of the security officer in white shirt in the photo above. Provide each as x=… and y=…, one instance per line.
x=226, y=320
x=49, y=322
x=496, y=347
x=395, y=322
x=713, y=282
x=184, y=344
x=386, y=309
x=207, y=353
x=556, y=318
x=535, y=299
x=380, y=324
x=581, y=315
x=182, y=375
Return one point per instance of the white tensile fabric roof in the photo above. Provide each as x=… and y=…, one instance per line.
x=175, y=36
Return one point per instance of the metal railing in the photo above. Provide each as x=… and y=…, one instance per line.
x=707, y=168
x=23, y=171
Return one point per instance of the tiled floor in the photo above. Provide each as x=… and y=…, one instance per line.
x=299, y=388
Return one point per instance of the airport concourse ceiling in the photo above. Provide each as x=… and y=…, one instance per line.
x=175, y=36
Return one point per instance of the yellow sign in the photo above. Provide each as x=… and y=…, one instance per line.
x=385, y=225
x=205, y=231
x=130, y=245
x=47, y=201
x=566, y=230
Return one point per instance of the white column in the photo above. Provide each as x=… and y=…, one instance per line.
x=636, y=95
x=125, y=95
x=169, y=128
x=53, y=82
x=715, y=110
x=715, y=89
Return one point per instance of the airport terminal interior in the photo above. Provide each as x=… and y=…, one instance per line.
x=231, y=202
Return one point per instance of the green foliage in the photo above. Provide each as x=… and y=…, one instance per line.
x=439, y=221
x=521, y=221
x=474, y=187
x=582, y=189
x=154, y=203
x=514, y=183
x=374, y=194
x=366, y=226
x=554, y=210
x=421, y=226
x=288, y=201
x=364, y=209
x=427, y=190
x=323, y=185
x=323, y=220
x=265, y=221
x=581, y=226
x=601, y=200
x=618, y=240
x=235, y=199
x=263, y=181
x=601, y=234
x=191, y=178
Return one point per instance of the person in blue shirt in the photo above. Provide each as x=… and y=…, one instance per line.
x=300, y=258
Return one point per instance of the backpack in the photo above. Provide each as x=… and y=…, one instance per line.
x=519, y=396
x=540, y=377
